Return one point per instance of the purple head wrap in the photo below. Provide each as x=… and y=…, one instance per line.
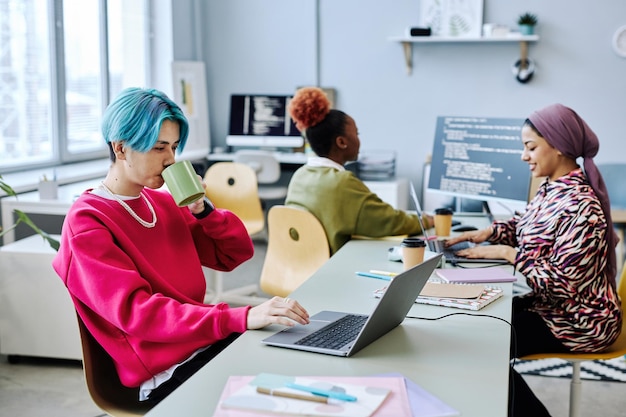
x=569, y=134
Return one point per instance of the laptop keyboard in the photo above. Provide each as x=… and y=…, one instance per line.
x=336, y=334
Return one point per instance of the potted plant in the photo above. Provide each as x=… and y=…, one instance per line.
x=23, y=218
x=526, y=23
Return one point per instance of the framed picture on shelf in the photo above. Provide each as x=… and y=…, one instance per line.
x=452, y=18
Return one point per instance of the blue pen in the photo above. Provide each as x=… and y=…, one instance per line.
x=377, y=276
x=322, y=392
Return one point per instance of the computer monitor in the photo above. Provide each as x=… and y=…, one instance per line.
x=262, y=121
x=480, y=158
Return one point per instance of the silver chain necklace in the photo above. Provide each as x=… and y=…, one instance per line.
x=141, y=221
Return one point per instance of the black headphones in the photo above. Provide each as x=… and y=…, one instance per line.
x=523, y=73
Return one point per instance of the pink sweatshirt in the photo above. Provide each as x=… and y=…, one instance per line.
x=140, y=291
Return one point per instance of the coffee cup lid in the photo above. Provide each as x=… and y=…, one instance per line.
x=443, y=210
x=413, y=242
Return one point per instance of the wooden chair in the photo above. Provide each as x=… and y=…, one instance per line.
x=297, y=246
x=233, y=186
x=103, y=383
x=616, y=350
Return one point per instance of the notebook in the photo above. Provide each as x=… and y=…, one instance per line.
x=438, y=246
x=473, y=275
x=376, y=395
x=488, y=296
x=388, y=313
x=446, y=296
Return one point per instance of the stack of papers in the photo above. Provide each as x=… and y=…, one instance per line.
x=385, y=395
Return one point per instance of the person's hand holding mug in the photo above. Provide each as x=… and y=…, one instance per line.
x=185, y=185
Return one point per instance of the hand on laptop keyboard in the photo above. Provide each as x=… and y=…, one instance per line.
x=474, y=236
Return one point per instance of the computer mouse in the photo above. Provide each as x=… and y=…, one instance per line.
x=464, y=228
x=395, y=254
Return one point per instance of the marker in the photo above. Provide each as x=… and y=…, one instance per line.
x=284, y=394
x=324, y=393
x=385, y=273
x=377, y=276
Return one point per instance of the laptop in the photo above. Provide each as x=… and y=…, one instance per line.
x=449, y=252
x=344, y=334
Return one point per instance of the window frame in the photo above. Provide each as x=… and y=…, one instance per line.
x=61, y=154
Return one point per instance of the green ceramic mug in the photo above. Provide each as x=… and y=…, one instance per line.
x=183, y=183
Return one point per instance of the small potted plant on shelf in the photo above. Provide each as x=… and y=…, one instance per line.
x=526, y=23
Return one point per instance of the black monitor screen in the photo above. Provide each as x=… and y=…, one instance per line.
x=479, y=158
x=262, y=121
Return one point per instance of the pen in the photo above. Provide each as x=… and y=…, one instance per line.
x=324, y=393
x=386, y=273
x=284, y=394
x=377, y=276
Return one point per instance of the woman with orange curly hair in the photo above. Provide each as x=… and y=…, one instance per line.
x=343, y=203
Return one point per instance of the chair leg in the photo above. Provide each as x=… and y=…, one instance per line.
x=575, y=390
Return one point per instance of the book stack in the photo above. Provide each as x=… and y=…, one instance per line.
x=464, y=296
x=456, y=295
x=377, y=165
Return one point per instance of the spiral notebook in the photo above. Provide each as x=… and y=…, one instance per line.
x=456, y=295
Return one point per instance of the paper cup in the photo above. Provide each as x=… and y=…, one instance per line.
x=183, y=183
x=443, y=221
x=412, y=252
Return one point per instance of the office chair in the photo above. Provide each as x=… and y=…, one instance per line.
x=233, y=186
x=103, y=383
x=616, y=350
x=297, y=246
x=614, y=174
x=267, y=169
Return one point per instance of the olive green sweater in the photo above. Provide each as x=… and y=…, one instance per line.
x=345, y=206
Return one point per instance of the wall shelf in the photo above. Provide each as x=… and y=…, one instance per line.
x=407, y=43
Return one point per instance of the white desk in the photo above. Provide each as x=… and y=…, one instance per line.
x=295, y=158
x=37, y=317
x=31, y=203
x=462, y=360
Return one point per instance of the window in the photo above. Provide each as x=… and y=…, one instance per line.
x=60, y=62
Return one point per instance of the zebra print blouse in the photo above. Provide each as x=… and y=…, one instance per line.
x=562, y=252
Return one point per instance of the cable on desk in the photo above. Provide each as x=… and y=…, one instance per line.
x=513, y=336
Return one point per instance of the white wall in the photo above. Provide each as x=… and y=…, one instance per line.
x=269, y=47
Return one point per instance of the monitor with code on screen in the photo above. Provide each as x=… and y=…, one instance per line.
x=479, y=158
x=262, y=121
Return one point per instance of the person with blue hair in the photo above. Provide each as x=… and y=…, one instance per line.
x=132, y=259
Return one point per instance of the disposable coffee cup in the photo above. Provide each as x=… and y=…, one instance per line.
x=183, y=183
x=412, y=252
x=443, y=221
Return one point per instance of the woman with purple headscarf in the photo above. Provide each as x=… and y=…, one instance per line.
x=564, y=244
